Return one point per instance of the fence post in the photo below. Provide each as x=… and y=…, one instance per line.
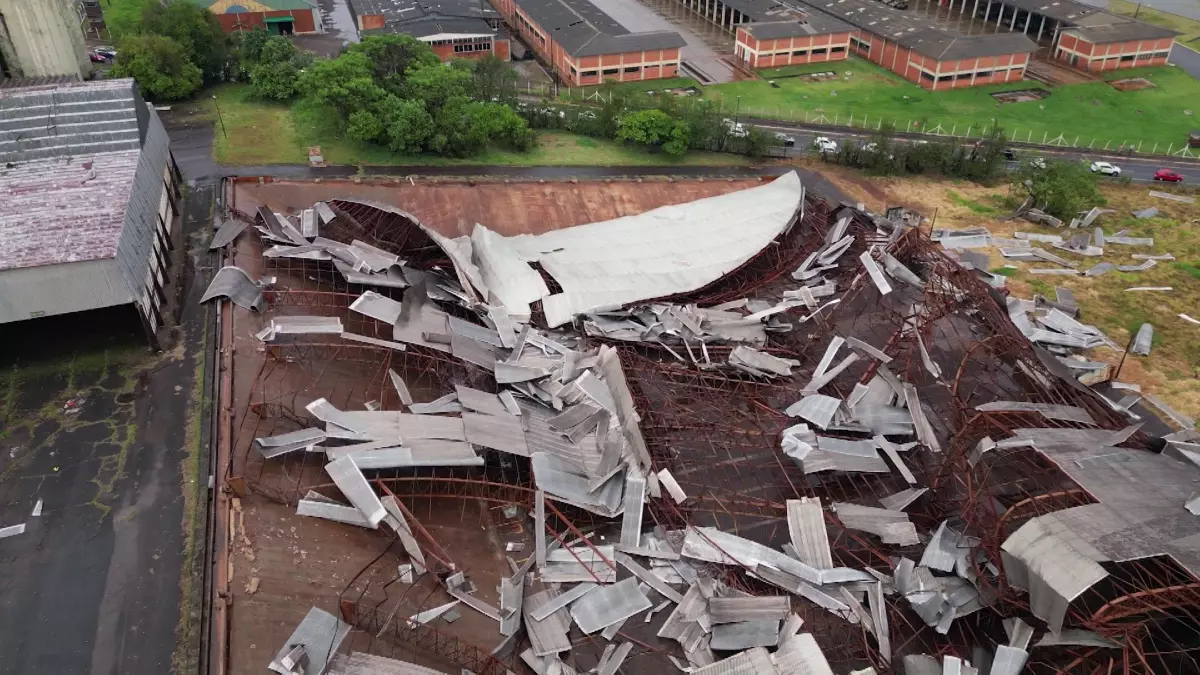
x=1169, y=148
x=806, y=117
x=1045, y=134
x=1093, y=143
x=835, y=119
x=851, y=122
x=953, y=129
x=1155, y=149
x=968, y=131
x=1106, y=144
x=1029, y=137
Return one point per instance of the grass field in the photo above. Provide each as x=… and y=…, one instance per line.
x=1189, y=29
x=1172, y=370
x=270, y=133
x=864, y=95
x=869, y=95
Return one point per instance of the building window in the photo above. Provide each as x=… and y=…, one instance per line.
x=945, y=78
x=926, y=76
x=573, y=72
x=837, y=50
x=984, y=73
x=963, y=76
x=1126, y=58
x=633, y=69
x=799, y=52
x=864, y=47
x=819, y=50
x=1160, y=55
x=588, y=73
x=473, y=47
x=611, y=71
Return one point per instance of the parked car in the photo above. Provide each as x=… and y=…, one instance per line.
x=787, y=141
x=1106, y=169
x=1168, y=176
x=1037, y=163
x=95, y=57
x=1009, y=154
x=106, y=52
x=736, y=129
x=823, y=144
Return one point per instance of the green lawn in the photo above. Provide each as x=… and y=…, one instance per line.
x=869, y=95
x=267, y=133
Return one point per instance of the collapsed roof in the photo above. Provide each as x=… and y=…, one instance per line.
x=786, y=443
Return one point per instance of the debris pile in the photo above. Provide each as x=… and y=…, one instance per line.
x=733, y=461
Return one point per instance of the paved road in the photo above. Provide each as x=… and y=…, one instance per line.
x=1139, y=169
x=1187, y=59
x=637, y=17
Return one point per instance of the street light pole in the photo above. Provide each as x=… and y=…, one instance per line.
x=220, y=119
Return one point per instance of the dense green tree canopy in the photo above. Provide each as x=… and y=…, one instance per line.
x=160, y=66
x=1062, y=189
x=654, y=127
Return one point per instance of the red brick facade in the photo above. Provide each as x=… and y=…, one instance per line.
x=755, y=53
x=473, y=48
x=926, y=71
x=302, y=20
x=1077, y=52
x=580, y=71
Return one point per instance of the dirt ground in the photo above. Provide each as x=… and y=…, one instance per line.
x=453, y=207
x=1172, y=371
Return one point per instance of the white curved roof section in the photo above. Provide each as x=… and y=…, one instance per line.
x=666, y=251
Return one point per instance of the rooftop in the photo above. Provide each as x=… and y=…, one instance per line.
x=64, y=210
x=259, y=5
x=1102, y=28
x=75, y=118
x=428, y=27
x=583, y=29
x=919, y=33
x=815, y=23
x=411, y=10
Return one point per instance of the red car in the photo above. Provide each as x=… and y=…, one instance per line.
x=1168, y=176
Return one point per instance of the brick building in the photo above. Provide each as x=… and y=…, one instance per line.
x=817, y=37
x=1130, y=44
x=453, y=28
x=582, y=45
x=1080, y=35
x=284, y=17
x=911, y=46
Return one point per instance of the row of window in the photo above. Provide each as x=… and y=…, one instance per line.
x=615, y=71
x=522, y=21
x=860, y=45
x=1126, y=58
x=979, y=74
x=473, y=47
x=804, y=52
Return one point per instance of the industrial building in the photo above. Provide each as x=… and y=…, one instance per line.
x=754, y=431
x=89, y=196
x=282, y=17
x=815, y=37
x=582, y=45
x=453, y=28
x=1080, y=35
x=41, y=38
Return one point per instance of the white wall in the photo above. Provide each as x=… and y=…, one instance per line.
x=45, y=37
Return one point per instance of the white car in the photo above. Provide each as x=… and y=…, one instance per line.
x=1106, y=169
x=736, y=129
x=1039, y=163
x=823, y=144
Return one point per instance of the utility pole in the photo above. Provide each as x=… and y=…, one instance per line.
x=220, y=119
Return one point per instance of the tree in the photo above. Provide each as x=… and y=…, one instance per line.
x=247, y=47
x=279, y=65
x=195, y=29
x=409, y=127
x=392, y=56
x=345, y=84
x=436, y=84
x=654, y=128
x=493, y=80
x=160, y=66
x=1062, y=189
x=364, y=126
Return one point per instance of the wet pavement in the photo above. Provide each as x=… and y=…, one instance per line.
x=339, y=29
x=1187, y=59
x=699, y=53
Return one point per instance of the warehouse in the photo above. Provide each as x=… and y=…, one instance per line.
x=89, y=195
x=914, y=48
x=815, y=38
x=582, y=45
x=454, y=29
x=281, y=17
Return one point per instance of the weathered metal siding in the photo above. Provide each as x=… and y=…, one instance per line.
x=45, y=38
x=80, y=119
x=136, y=246
x=30, y=292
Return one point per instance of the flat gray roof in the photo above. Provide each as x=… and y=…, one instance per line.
x=816, y=23
x=411, y=10
x=919, y=33
x=1103, y=28
x=583, y=29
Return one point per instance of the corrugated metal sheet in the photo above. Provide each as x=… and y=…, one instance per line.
x=609, y=604
x=321, y=633
x=59, y=289
x=135, y=248
x=359, y=663
x=806, y=525
x=750, y=662
x=761, y=608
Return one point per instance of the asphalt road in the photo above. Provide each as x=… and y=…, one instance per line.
x=1138, y=169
